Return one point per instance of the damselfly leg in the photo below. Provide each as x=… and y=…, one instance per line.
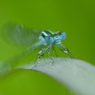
x=66, y=51
x=49, y=54
x=41, y=53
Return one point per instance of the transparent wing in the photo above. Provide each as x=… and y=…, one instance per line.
x=18, y=34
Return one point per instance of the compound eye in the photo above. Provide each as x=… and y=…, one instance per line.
x=63, y=35
x=49, y=40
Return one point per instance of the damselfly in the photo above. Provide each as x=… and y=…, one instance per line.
x=35, y=38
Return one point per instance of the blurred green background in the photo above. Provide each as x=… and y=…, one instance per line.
x=76, y=18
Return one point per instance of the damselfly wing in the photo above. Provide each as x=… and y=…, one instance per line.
x=18, y=34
